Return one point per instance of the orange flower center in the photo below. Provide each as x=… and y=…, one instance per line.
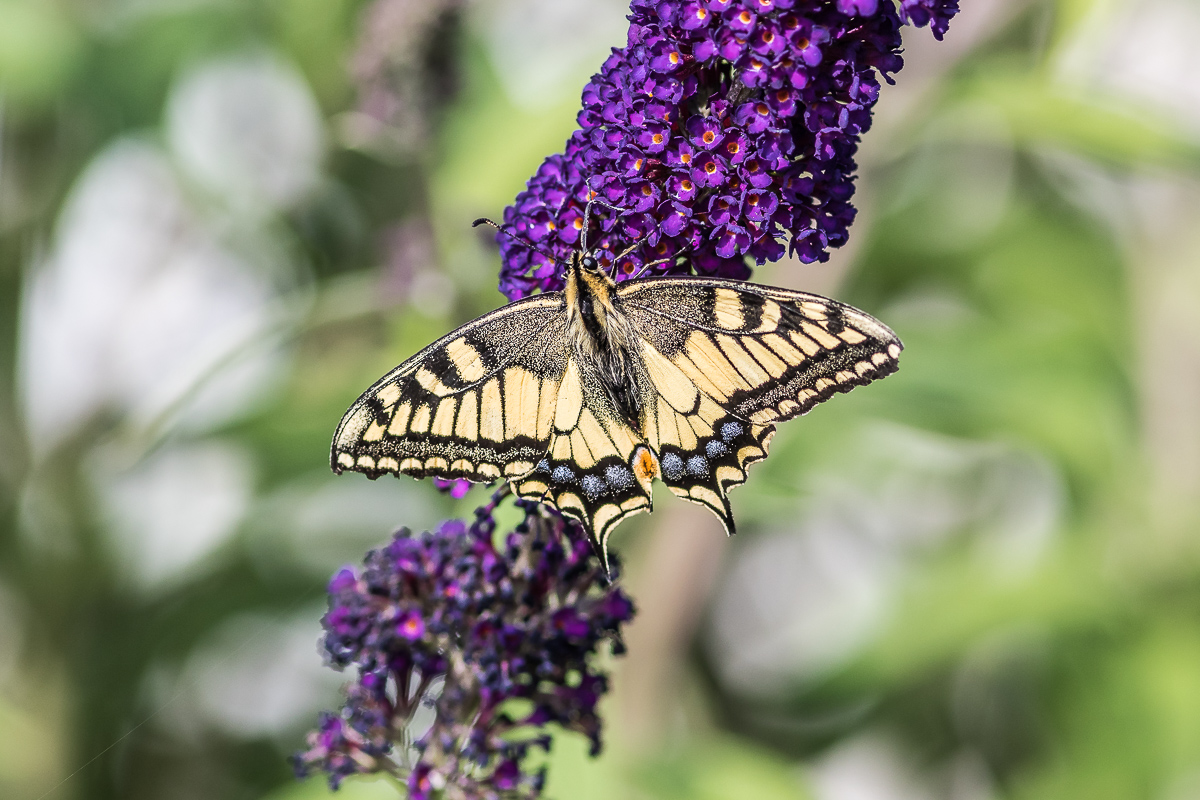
x=710, y=167
x=674, y=58
x=708, y=137
x=657, y=138
x=733, y=148
x=745, y=17
x=646, y=190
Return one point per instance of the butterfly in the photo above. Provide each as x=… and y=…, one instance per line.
x=583, y=397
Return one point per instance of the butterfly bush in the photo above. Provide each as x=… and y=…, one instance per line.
x=722, y=130
x=509, y=633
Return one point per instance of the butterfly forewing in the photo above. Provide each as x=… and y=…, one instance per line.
x=477, y=404
x=765, y=354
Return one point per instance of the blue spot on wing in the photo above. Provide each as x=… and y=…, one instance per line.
x=672, y=466
x=619, y=477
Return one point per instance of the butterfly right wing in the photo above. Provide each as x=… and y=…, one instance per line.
x=729, y=359
x=477, y=404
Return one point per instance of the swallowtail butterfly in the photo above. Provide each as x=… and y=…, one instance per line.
x=581, y=398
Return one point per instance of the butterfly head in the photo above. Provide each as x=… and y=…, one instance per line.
x=587, y=269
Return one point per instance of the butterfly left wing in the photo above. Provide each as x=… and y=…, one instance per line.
x=731, y=359
x=597, y=470
x=476, y=404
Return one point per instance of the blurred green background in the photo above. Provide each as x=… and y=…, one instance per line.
x=220, y=220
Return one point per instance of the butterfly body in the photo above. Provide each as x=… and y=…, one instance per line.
x=603, y=338
x=582, y=398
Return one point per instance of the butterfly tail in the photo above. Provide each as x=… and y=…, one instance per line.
x=718, y=463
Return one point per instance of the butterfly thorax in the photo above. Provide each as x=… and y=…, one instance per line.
x=603, y=338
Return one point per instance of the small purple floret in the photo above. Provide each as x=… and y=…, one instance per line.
x=455, y=487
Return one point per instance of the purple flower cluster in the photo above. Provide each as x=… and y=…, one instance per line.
x=491, y=625
x=720, y=129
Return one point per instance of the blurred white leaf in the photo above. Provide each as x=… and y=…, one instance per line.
x=541, y=48
x=260, y=676
x=1139, y=50
x=799, y=602
x=248, y=130
x=869, y=767
x=171, y=511
x=796, y=604
x=137, y=304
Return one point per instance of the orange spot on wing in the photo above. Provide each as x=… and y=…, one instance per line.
x=645, y=465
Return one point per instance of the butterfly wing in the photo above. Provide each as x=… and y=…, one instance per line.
x=729, y=360
x=596, y=469
x=478, y=403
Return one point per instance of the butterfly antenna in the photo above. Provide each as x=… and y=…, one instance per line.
x=514, y=237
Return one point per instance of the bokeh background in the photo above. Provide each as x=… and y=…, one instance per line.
x=220, y=220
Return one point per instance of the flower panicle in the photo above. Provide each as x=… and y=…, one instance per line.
x=493, y=619
x=722, y=130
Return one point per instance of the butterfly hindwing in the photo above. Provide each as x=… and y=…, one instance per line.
x=477, y=404
x=703, y=449
x=596, y=469
x=727, y=360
